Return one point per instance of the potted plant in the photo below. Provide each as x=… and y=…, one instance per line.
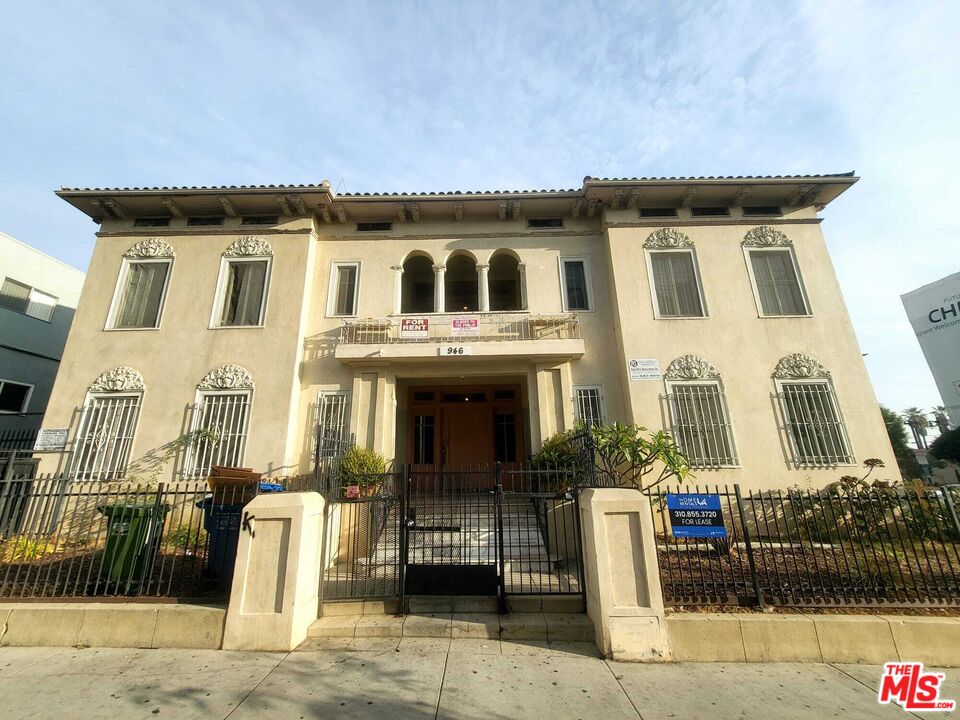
x=360, y=471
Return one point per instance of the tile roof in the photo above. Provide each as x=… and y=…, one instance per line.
x=454, y=193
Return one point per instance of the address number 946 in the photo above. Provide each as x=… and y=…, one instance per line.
x=453, y=350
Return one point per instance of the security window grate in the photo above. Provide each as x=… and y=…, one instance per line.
x=588, y=404
x=701, y=425
x=226, y=417
x=107, y=426
x=333, y=423
x=814, y=425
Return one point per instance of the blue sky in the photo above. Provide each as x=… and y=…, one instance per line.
x=486, y=95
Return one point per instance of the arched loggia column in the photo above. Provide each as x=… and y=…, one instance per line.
x=397, y=289
x=439, y=276
x=483, y=272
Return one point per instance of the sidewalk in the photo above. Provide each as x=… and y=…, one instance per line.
x=423, y=678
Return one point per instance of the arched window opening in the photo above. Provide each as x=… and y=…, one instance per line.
x=417, y=285
x=461, y=287
x=504, y=281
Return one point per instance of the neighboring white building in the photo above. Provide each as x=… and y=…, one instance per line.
x=38, y=298
x=934, y=312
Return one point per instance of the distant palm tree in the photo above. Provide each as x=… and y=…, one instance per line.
x=940, y=418
x=917, y=420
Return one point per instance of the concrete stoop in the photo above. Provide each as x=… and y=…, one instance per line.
x=420, y=604
x=565, y=627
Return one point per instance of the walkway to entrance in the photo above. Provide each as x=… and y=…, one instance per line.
x=490, y=532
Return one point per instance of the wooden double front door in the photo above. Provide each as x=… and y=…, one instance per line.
x=460, y=426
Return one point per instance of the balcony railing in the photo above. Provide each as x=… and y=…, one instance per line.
x=478, y=327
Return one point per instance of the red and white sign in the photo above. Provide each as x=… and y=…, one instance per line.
x=911, y=688
x=465, y=326
x=415, y=328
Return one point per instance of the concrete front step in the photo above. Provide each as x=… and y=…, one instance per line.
x=430, y=604
x=567, y=627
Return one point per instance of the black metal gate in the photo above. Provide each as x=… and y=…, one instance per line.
x=500, y=531
x=496, y=531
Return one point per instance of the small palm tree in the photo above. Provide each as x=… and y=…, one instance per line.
x=939, y=413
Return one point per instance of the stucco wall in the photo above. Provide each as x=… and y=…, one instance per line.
x=175, y=357
x=745, y=348
x=292, y=357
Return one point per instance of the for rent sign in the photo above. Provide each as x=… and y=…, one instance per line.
x=695, y=515
x=934, y=312
x=415, y=328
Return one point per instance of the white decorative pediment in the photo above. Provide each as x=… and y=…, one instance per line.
x=120, y=379
x=764, y=235
x=227, y=377
x=249, y=245
x=667, y=238
x=155, y=247
x=691, y=367
x=799, y=366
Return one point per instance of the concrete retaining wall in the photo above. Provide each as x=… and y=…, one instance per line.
x=870, y=639
x=135, y=625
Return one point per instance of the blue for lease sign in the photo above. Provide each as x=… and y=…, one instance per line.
x=695, y=515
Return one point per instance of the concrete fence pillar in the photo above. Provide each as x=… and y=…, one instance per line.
x=624, y=599
x=276, y=581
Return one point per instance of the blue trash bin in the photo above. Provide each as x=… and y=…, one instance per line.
x=222, y=523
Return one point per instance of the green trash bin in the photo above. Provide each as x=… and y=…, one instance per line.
x=134, y=531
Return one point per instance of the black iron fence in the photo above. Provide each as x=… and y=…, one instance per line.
x=844, y=547
x=64, y=538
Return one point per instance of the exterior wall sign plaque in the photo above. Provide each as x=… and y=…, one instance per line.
x=465, y=326
x=51, y=439
x=454, y=350
x=643, y=369
x=695, y=516
x=415, y=328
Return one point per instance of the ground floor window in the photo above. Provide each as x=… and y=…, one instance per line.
x=107, y=426
x=333, y=423
x=505, y=436
x=226, y=415
x=588, y=404
x=814, y=424
x=701, y=424
x=423, y=438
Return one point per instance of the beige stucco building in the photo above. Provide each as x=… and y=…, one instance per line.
x=456, y=328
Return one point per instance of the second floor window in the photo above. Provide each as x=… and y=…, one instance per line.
x=777, y=282
x=344, y=283
x=244, y=292
x=27, y=300
x=575, y=282
x=142, y=286
x=676, y=284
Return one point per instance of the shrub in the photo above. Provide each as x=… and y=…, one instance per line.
x=622, y=455
x=187, y=537
x=361, y=466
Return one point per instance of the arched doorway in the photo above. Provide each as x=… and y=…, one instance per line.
x=461, y=288
x=416, y=290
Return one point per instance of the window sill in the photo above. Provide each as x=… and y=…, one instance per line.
x=784, y=317
x=137, y=329
x=681, y=317
x=236, y=327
